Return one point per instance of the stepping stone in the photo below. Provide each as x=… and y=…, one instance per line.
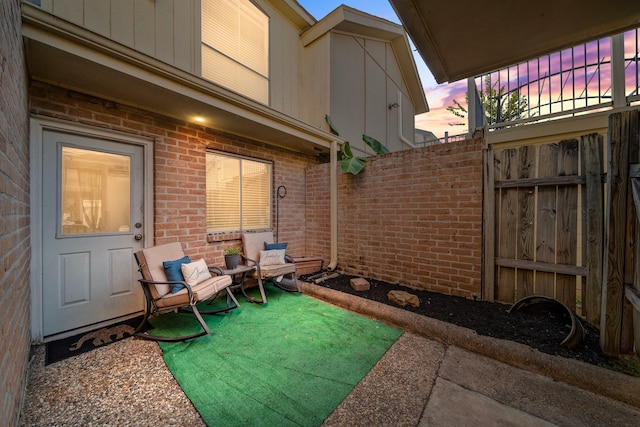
x=403, y=298
x=360, y=284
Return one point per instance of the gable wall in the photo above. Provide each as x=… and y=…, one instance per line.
x=365, y=80
x=285, y=50
x=315, y=83
x=413, y=217
x=179, y=174
x=14, y=215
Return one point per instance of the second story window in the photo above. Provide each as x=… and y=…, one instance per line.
x=235, y=47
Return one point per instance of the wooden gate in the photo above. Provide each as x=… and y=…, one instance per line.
x=546, y=231
x=546, y=204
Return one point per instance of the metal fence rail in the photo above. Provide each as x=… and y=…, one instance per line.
x=567, y=83
x=632, y=66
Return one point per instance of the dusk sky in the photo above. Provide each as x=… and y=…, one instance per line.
x=573, y=78
x=438, y=120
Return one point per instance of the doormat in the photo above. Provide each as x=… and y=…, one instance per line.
x=64, y=348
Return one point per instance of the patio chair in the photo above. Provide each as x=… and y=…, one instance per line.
x=282, y=274
x=163, y=294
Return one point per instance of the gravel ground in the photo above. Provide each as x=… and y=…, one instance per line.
x=128, y=384
x=123, y=384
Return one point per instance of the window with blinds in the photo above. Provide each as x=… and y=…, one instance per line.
x=238, y=193
x=235, y=47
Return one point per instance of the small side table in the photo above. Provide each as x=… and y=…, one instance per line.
x=238, y=275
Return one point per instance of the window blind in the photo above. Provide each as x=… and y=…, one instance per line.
x=238, y=193
x=256, y=209
x=223, y=193
x=235, y=47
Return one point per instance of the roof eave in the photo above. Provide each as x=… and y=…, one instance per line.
x=467, y=38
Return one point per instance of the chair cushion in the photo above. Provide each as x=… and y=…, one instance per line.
x=154, y=257
x=274, y=256
x=173, y=270
x=195, y=272
x=253, y=243
x=276, y=270
x=201, y=292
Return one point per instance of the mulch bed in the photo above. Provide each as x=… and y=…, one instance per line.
x=541, y=330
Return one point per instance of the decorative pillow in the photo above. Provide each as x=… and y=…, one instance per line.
x=173, y=270
x=272, y=257
x=195, y=272
x=272, y=246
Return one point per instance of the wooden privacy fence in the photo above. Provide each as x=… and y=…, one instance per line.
x=549, y=231
x=546, y=205
x=620, y=324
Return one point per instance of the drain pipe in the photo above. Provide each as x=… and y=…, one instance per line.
x=400, y=135
x=333, y=190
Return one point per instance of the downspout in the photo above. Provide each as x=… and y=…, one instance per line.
x=333, y=185
x=400, y=135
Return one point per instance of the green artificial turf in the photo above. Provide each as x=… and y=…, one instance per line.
x=289, y=362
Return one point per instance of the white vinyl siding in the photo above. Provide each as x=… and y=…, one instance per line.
x=238, y=194
x=235, y=47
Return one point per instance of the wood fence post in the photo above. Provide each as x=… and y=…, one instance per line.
x=632, y=291
x=546, y=220
x=488, y=226
x=631, y=134
x=567, y=222
x=613, y=287
x=507, y=211
x=594, y=226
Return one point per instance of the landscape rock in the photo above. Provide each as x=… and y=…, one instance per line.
x=360, y=284
x=403, y=298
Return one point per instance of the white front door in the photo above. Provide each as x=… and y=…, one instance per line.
x=92, y=223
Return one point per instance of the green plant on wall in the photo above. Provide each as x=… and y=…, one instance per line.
x=349, y=163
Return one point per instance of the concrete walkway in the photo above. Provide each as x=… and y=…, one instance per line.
x=421, y=382
x=439, y=374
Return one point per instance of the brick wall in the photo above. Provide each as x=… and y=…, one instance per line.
x=179, y=160
x=318, y=212
x=413, y=217
x=14, y=216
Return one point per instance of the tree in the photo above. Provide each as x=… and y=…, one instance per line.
x=498, y=106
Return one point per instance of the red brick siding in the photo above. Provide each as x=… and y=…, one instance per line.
x=318, y=204
x=179, y=174
x=14, y=216
x=413, y=217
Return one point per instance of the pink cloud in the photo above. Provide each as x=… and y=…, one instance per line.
x=573, y=78
x=438, y=120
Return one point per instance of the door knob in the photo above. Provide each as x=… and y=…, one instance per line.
x=138, y=236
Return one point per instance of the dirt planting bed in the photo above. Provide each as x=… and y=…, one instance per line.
x=541, y=330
